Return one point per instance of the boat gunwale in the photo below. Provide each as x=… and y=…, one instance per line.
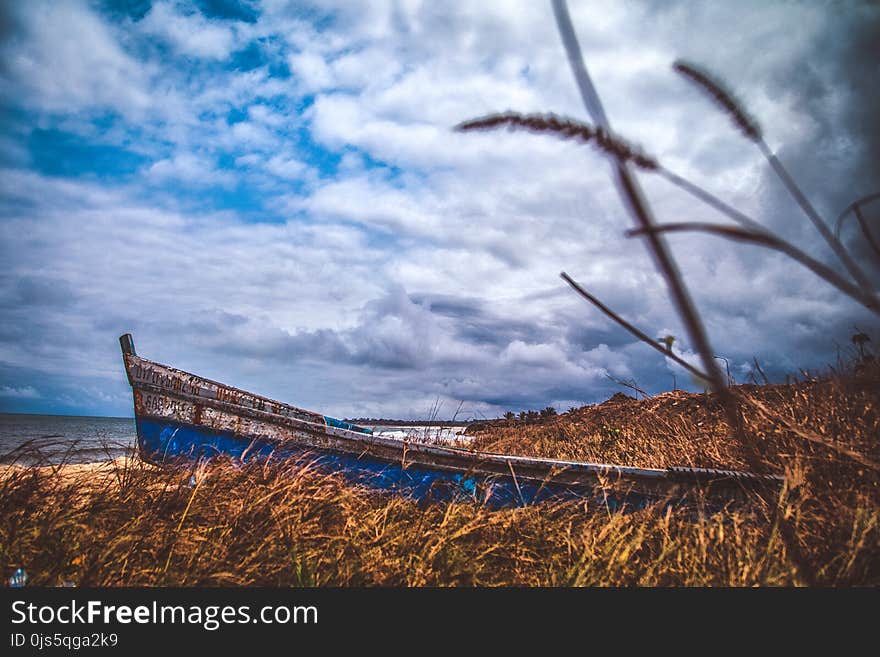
x=408, y=447
x=402, y=445
x=218, y=384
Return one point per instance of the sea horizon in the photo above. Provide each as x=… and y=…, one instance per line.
x=108, y=417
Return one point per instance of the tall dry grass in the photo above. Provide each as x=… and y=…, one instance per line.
x=822, y=434
x=824, y=463
x=268, y=526
x=280, y=524
x=288, y=524
x=833, y=418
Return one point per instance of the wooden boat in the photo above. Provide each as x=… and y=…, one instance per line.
x=183, y=416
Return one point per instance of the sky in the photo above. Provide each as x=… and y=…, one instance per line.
x=271, y=194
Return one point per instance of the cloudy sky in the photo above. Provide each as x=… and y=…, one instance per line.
x=270, y=194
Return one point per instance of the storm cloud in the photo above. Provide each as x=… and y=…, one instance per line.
x=272, y=195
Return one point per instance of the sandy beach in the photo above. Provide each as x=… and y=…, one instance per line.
x=94, y=474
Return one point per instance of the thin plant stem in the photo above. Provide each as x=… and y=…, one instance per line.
x=634, y=199
x=752, y=131
x=854, y=270
x=863, y=296
x=767, y=239
x=641, y=335
x=859, y=293
x=616, y=147
x=708, y=198
x=858, y=202
x=865, y=230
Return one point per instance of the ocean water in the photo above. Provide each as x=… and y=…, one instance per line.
x=53, y=439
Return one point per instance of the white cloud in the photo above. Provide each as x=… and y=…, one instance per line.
x=25, y=392
x=249, y=160
x=286, y=167
x=533, y=355
x=66, y=58
x=248, y=135
x=189, y=167
x=311, y=70
x=189, y=32
x=264, y=115
x=426, y=266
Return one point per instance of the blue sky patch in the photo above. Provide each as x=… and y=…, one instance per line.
x=58, y=153
x=122, y=9
x=236, y=10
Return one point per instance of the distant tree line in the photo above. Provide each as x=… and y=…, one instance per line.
x=518, y=419
x=530, y=417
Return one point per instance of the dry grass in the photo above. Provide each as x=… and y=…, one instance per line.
x=268, y=526
x=682, y=428
x=283, y=524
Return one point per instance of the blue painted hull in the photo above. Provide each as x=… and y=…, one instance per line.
x=163, y=442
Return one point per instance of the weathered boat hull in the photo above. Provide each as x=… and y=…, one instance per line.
x=161, y=441
x=183, y=416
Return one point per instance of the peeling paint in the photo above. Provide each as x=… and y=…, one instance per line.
x=215, y=414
